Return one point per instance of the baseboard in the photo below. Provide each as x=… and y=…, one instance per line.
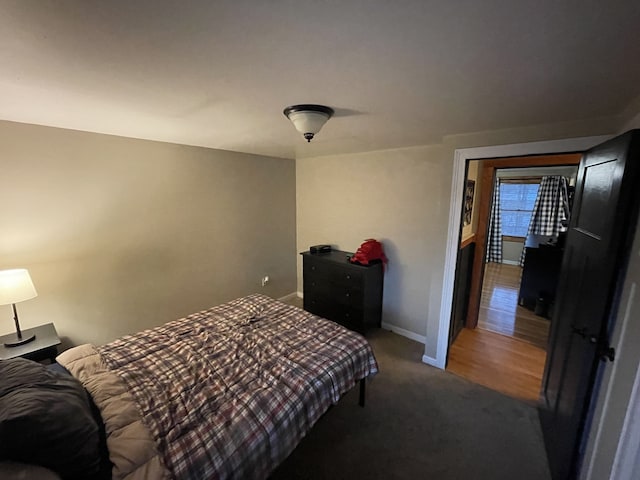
x=431, y=361
x=510, y=262
x=418, y=338
x=405, y=333
x=290, y=296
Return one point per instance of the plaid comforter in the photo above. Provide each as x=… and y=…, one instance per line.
x=229, y=392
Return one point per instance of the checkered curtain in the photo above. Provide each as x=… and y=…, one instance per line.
x=494, y=240
x=551, y=210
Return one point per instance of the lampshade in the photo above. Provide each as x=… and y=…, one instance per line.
x=16, y=286
x=308, y=119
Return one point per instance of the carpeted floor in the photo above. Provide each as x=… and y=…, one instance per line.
x=420, y=422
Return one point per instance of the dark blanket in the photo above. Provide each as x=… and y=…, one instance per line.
x=46, y=420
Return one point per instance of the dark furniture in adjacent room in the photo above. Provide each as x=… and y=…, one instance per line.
x=45, y=345
x=461, y=289
x=346, y=293
x=542, y=264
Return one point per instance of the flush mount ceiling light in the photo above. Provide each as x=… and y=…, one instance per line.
x=308, y=119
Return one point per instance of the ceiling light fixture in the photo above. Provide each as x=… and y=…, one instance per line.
x=308, y=119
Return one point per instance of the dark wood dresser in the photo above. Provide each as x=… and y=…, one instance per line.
x=346, y=293
x=540, y=273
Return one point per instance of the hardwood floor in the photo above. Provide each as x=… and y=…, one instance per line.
x=499, y=309
x=507, y=351
x=501, y=363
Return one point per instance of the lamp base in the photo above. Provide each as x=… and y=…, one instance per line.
x=13, y=340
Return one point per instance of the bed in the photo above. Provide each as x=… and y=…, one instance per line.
x=224, y=393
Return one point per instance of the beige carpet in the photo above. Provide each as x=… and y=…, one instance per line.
x=420, y=422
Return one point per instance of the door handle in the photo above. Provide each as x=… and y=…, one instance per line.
x=606, y=352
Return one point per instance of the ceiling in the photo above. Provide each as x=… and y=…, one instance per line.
x=401, y=73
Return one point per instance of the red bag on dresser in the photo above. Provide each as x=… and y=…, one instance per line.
x=370, y=250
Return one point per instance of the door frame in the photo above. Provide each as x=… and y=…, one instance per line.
x=439, y=357
x=487, y=186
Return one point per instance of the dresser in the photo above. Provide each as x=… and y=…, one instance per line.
x=346, y=293
x=540, y=273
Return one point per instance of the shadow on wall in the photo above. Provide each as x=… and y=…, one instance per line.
x=396, y=295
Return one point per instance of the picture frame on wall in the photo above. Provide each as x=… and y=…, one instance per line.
x=468, y=202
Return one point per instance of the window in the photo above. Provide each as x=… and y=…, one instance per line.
x=516, y=207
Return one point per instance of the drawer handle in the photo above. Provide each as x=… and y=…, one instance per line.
x=347, y=294
x=313, y=284
x=348, y=277
x=313, y=268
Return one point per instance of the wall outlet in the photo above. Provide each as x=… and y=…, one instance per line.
x=265, y=280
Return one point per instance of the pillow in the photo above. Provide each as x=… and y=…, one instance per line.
x=45, y=419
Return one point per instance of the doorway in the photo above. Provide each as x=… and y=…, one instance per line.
x=504, y=343
x=436, y=355
x=517, y=295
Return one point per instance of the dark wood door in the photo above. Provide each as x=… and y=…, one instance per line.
x=602, y=224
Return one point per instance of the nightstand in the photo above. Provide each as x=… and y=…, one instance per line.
x=45, y=345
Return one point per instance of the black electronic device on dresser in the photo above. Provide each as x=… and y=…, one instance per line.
x=344, y=292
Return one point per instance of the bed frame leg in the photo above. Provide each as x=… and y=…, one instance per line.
x=362, y=392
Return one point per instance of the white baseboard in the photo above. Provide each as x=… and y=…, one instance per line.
x=510, y=262
x=387, y=326
x=405, y=333
x=431, y=361
x=290, y=296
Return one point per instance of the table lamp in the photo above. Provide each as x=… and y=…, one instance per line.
x=16, y=286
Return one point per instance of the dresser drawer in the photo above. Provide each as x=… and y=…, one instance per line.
x=346, y=277
x=347, y=296
x=327, y=307
x=312, y=268
x=317, y=306
x=348, y=315
x=316, y=286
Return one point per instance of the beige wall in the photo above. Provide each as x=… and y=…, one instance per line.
x=511, y=251
x=631, y=116
x=122, y=234
x=401, y=197
x=632, y=123
x=394, y=196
